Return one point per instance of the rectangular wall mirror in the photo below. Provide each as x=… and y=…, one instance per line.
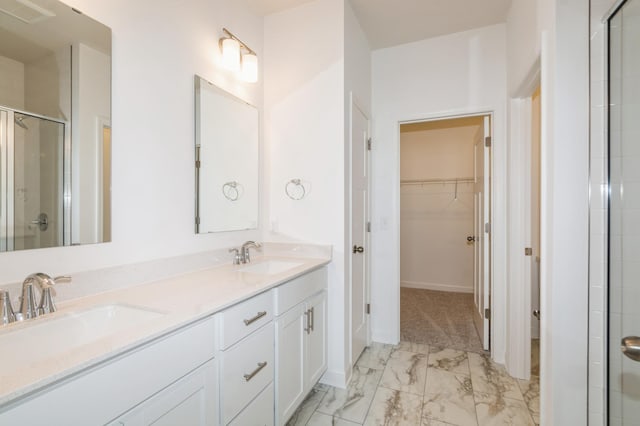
x=55, y=126
x=227, y=160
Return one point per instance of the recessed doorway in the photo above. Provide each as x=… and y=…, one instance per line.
x=445, y=232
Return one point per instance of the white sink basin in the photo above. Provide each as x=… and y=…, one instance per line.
x=43, y=338
x=270, y=267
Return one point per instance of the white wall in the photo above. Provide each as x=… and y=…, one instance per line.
x=454, y=74
x=435, y=219
x=12, y=83
x=153, y=131
x=304, y=139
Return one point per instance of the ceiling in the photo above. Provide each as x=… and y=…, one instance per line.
x=392, y=22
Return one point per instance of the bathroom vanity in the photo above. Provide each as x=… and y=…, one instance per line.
x=231, y=345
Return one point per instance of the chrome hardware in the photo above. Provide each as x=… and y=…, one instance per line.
x=28, y=308
x=6, y=310
x=42, y=222
x=254, y=319
x=311, y=315
x=237, y=259
x=358, y=249
x=245, y=257
x=250, y=376
x=536, y=313
x=630, y=346
x=46, y=285
x=471, y=239
x=528, y=251
x=307, y=328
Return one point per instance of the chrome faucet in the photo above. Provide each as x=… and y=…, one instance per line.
x=245, y=257
x=45, y=284
x=242, y=254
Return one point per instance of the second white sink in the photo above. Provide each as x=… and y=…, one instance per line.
x=270, y=267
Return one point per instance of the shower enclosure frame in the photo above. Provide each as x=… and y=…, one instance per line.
x=7, y=175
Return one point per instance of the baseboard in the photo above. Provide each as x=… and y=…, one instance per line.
x=438, y=287
x=334, y=378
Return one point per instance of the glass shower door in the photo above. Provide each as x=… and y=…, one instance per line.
x=32, y=173
x=624, y=216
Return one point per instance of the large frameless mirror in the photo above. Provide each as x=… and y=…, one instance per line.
x=55, y=126
x=227, y=140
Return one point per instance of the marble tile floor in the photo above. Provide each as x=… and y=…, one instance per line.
x=416, y=384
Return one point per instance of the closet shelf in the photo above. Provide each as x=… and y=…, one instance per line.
x=434, y=181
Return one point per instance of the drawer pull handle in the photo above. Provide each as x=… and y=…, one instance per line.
x=256, y=318
x=313, y=319
x=249, y=376
x=307, y=315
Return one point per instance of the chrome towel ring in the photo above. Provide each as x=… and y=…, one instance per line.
x=231, y=190
x=295, y=189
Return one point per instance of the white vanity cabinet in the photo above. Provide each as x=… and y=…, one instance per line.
x=246, y=361
x=188, y=402
x=171, y=377
x=301, y=340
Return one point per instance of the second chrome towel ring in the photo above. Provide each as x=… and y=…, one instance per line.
x=232, y=191
x=295, y=189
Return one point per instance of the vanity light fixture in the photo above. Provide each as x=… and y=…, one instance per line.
x=237, y=56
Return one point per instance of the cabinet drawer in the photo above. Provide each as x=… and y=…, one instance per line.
x=112, y=388
x=295, y=291
x=246, y=369
x=243, y=319
x=259, y=412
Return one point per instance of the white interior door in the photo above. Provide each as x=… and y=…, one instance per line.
x=482, y=234
x=359, y=234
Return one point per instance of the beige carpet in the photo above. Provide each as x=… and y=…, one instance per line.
x=438, y=318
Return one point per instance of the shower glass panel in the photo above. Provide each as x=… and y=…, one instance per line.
x=624, y=215
x=32, y=163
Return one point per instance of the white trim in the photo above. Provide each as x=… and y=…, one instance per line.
x=497, y=322
x=336, y=379
x=452, y=288
x=518, y=353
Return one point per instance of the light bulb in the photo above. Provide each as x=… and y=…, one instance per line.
x=250, y=67
x=230, y=54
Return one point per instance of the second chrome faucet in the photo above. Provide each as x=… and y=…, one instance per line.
x=242, y=254
x=28, y=308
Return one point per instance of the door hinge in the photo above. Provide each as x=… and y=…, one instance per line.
x=368, y=226
x=197, y=220
x=368, y=308
x=487, y=228
x=487, y=141
x=369, y=144
x=528, y=251
x=487, y=313
x=197, y=164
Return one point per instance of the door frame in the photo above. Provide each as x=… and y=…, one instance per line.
x=355, y=103
x=518, y=350
x=481, y=112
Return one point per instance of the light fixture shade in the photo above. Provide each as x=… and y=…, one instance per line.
x=250, y=67
x=230, y=54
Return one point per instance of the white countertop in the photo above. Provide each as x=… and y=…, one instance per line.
x=183, y=299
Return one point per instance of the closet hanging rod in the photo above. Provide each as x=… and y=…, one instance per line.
x=432, y=181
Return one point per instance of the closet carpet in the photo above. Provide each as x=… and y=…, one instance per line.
x=438, y=318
